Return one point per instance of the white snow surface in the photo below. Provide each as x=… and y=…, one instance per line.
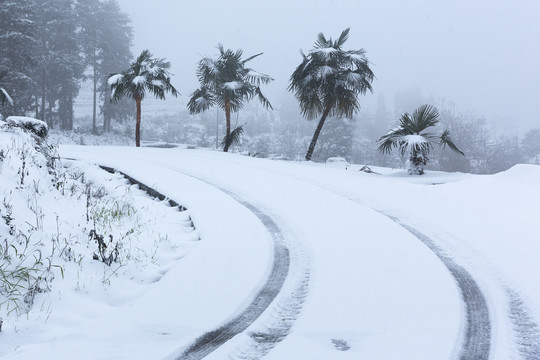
x=233, y=85
x=414, y=140
x=139, y=80
x=114, y=79
x=372, y=285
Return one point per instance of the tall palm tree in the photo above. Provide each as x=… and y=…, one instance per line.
x=227, y=83
x=329, y=80
x=411, y=136
x=146, y=74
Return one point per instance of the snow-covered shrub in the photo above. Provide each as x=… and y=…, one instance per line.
x=26, y=268
x=35, y=126
x=56, y=217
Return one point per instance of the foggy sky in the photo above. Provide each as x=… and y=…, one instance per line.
x=483, y=55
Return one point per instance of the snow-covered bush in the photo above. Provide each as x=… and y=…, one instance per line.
x=58, y=217
x=25, y=267
x=37, y=127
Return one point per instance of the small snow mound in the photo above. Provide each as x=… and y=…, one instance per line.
x=520, y=174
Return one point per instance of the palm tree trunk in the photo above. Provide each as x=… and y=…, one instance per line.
x=228, y=121
x=316, y=134
x=138, y=123
x=416, y=163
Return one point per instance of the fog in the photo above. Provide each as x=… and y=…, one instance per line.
x=481, y=55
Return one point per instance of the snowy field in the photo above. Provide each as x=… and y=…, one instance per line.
x=361, y=284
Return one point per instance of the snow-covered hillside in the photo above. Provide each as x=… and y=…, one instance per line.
x=380, y=265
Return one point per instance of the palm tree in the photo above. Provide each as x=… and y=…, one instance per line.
x=146, y=74
x=227, y=83
x=410, y=136
x=329, y=80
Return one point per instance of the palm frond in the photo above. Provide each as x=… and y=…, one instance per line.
x=233, y=138
x=200, y=101
x=322, y=42
x=446, y=140
x=391, y=139
x=264, y=101
x=423, y=117
x=342, y=38
x=251, y=58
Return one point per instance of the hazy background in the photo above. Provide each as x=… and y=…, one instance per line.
x=483, y=55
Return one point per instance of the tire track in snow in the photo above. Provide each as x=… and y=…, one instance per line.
x=476, y=341
x=477, y=338
x=288, y=308
x=525, y=329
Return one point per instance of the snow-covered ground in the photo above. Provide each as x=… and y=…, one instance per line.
x=360, y=285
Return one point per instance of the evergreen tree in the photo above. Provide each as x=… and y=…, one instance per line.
x=329, y=80
x=59, y=64
x=530, y=145
x=116, y=55
x=227, y=83
x=336, y=141
x=106, y=37
x=17, y=48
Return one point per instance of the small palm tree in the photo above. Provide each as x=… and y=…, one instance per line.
x=411, y=137
x=329, y=80
x=146, y=74
x=227, y=83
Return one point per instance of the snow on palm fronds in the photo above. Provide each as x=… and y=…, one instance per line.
x=226, y=82
x=410, y=135
x=146, y=74
x=329, y=80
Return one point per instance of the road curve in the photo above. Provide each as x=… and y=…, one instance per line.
x=477, y=338
x=213, y=339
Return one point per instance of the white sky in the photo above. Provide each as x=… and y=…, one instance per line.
x=482, y=54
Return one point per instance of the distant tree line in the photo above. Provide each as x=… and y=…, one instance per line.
x=48, y=47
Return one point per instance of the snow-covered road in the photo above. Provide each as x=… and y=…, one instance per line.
x=360, y=285
x=368, y=284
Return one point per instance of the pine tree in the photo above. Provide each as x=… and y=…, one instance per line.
x=17, y=48
x=59, y=64
x=115, y=41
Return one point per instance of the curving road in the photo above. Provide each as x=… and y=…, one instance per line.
x=265, y=341
x=477, y=339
